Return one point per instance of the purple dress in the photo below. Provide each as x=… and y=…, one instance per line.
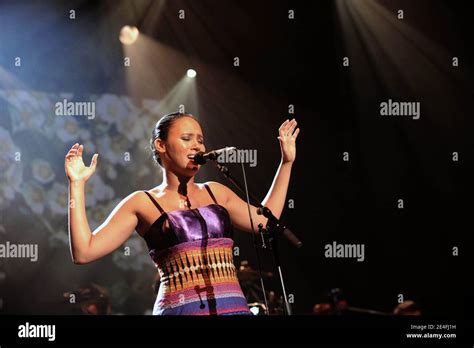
x=195, y=261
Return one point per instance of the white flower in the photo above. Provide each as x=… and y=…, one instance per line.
x=42, y=171
x=27, y=109
x=11, y=171
x=112, y=109
x=68, y=129
x=34, y=196
x=58, y=199
x=114, y=148
x=96, y=190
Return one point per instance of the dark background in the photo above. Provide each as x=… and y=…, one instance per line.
x=299, y=62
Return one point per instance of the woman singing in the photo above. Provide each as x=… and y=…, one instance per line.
x=187, y=226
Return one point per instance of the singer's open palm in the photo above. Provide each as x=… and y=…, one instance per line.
x=75, y=167
x=287, y=136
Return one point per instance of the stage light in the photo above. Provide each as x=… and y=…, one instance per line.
x=128, y=35
x=191, y=73
x=255, y=310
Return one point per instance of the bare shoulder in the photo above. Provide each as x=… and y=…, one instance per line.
x=137, y=201
x=219, y=190
x=134, y=200
x=217, y=186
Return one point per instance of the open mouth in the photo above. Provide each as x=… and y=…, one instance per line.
x=191, y=156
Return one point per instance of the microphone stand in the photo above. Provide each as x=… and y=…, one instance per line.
x=274, y=227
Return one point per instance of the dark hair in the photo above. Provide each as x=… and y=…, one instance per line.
x=161, y=131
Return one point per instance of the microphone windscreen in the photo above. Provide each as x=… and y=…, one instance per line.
x=199, y=158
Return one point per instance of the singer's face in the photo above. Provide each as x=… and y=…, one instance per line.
x=184, y=140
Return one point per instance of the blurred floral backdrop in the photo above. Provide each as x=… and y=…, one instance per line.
x=34, y=194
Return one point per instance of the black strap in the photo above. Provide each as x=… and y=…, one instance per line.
x=210, y=192
x=155, y=202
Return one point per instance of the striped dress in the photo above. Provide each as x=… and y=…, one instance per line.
x=193, y=255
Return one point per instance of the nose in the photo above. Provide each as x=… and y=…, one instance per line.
x=197, y=146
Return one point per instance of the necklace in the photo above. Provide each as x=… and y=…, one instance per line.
x=184, y=202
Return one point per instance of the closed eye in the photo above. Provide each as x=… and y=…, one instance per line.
x=189, y=137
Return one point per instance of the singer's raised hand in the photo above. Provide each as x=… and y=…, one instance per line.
x=287, y=136
x=74, y=165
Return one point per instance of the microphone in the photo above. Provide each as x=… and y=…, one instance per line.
x=203, y=157
x=286, y=231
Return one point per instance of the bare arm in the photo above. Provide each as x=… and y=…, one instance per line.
x=276, y=196
x=87, y=246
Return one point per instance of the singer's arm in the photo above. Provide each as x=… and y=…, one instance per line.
x=276, y=196
x=238, y=210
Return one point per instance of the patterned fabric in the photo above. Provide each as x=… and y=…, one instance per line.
x=195, y=262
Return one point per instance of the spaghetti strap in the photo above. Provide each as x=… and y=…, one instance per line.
x=210, y=193
x=155, y=202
